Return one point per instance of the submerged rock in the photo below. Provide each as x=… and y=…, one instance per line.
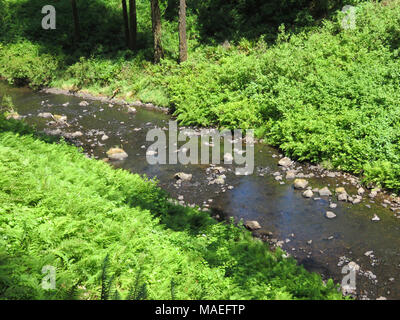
x=376, y=218
x=117, y=154
x=45, y=115
x=59, y=118
x=330, y=215
x=83, y=103
x=131, y=110
x=73, y=135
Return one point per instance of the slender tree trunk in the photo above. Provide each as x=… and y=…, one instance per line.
x=126, y=23
x=156, y=22
x=182, y=31
x=133, y=23
x=76, y=21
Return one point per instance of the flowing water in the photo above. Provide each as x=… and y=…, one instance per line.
x=287, y=219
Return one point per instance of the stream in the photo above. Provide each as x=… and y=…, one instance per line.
x=287, y=219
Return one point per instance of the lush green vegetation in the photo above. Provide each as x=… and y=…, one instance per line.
x=94, y=223
x=317, y=91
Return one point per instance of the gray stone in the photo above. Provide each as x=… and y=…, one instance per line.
x=342, y=196
x=325, y=192
x=285, y=162
x=300, y=184
x=290, y=174
x=252, y=225
x=83, y=103
x=308, y=194
x=375, y=218
x=45, y=115
x=183, y=176
x=117, y=154
x=330, y=215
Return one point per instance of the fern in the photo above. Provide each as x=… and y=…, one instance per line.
x=138, y=290
x=106, y=281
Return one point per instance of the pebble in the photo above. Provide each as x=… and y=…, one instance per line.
x=330, y=215
x=252, y=225
x=375, y=218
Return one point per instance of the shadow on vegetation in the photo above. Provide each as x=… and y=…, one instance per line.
x=101, y=22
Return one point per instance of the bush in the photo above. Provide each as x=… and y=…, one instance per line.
x=22, y=63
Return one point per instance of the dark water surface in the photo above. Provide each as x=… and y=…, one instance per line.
x=282, y=211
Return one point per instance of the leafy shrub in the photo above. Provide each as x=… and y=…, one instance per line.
x=22, y=63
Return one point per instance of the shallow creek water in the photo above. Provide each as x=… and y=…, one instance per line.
x=286, y=217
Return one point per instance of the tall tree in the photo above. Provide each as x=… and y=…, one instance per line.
x=182, y=31
x=77, y=32
x=156, y=22
x=133, y=23
x=126, y=23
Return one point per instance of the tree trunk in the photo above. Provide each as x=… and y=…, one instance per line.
x=182, y=31
x=133, y=23
x=126, y=23
x=76, y=21
x=156, y=22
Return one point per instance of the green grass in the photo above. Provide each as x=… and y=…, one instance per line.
x=59, y=208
